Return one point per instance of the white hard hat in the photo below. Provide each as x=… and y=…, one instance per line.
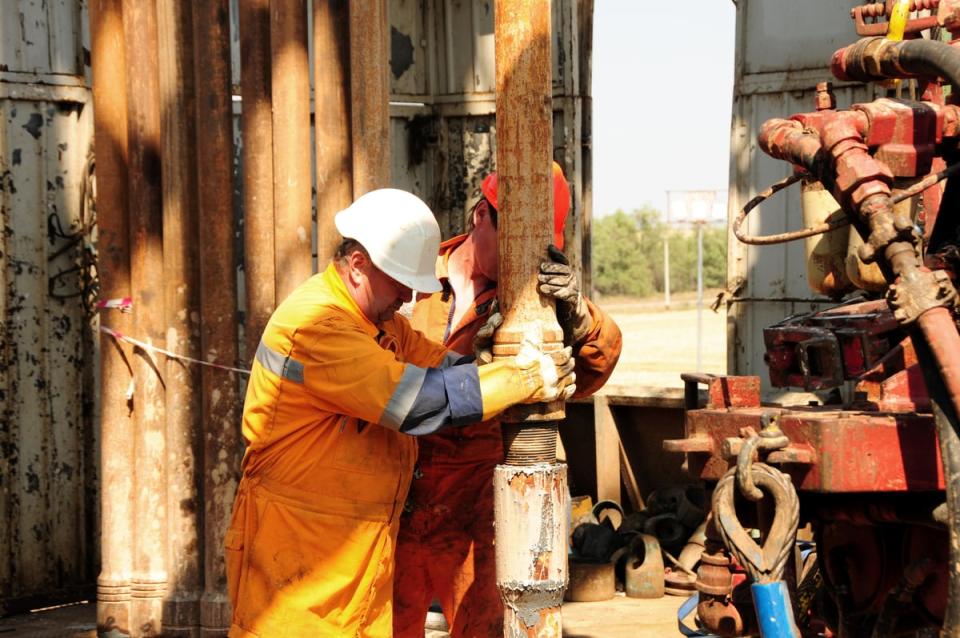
x=399, y=232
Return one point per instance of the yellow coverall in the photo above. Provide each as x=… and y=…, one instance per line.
x=310, y=546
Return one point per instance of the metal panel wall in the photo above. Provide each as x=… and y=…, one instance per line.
x=774, y=78
x=47, y=434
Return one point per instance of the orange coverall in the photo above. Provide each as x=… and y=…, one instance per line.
x=445, y=548
x=310, y=546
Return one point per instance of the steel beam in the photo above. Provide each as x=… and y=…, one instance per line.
x=109, y=68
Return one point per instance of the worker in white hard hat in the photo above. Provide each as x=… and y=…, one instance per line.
x=339, y=385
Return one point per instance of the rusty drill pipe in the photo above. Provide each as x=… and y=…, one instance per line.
x=181, y=615
x=256, y=121
x=331, y=81
x=113, y=267
x=146, y=269
x=370, y=95
x=290, y=88
x=218, y=300
x=530, y=490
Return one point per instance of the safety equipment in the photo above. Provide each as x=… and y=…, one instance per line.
x=400, y=234
x=561, y=199
x=483, y=341
x=529, y=377
x=558, y=280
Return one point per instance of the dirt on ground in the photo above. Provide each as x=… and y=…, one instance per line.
x=660, y=343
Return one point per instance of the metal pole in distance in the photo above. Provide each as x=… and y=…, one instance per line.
x=181, y=615
x=222, y=447
x=666, y=266
x=116, y=425
x=530, y=491
x=699, y=294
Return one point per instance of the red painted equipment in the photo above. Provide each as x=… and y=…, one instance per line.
x=878, y=469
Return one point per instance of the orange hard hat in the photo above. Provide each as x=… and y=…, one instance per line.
x=561, y=200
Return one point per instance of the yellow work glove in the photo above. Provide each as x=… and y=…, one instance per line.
x=529, y=377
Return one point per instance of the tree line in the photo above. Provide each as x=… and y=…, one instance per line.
x=628, y=254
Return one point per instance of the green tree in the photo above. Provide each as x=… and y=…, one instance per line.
x=620, y=265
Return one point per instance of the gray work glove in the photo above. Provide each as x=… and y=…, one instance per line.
x=558, y=280
x=483, y=340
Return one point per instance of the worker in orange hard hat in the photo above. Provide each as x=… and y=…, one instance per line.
x=445, y=548
x=340, y=386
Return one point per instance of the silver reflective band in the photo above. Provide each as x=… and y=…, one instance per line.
x=403, y=397
x=280, y=365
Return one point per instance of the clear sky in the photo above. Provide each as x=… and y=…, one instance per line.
x=662, y=98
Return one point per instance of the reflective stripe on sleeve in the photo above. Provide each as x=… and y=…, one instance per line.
x=403, y=397
x=279, y=364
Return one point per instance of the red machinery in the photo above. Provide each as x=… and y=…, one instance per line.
x=878, y=473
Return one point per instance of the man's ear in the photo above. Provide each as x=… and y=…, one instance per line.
x=357, y=264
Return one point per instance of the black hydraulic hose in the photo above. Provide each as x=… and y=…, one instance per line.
x=947, y=426
x=873, y=59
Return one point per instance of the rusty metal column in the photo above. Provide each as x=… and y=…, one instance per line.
x=530, y=489
x=257, y=123
x=146, y=268
x=331, y=97
x=181, y=615
x=113, y=267
x=222, y=447
x=370, y=95
x=290, y=81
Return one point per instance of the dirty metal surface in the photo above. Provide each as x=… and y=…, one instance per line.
x=370, y=94
x=41, y=37
x=116, y=424
x=334, y=157
x=222, y=445
x=774, y=74
x=829, y=450
x=257, y=156
x=181, y=315
x=292, y=174
x=45, y=346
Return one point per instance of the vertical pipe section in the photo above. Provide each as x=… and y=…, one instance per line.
x=331, y=90
x=530, y=492
x=257, y=124
x=370, y=95
x=146, y=269
x=113, y=267
x=218, y=298
x=290, y=82
x=585, y=51
x=181, y=615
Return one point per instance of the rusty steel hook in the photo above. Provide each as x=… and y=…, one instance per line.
x=770, y=438
x=764, y=564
